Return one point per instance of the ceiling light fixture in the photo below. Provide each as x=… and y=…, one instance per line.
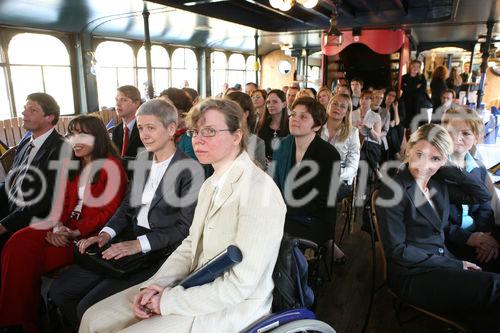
x=286, y=5
x=333, y=30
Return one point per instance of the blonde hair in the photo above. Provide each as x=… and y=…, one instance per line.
x=234, y=116
x=436, y=135
x=304, y=93
x=346, y=124
x=327, y=90
x=469, y=116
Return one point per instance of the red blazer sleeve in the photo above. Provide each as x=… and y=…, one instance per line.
x=94, y=217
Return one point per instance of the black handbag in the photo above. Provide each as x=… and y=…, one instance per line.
x=117, y=268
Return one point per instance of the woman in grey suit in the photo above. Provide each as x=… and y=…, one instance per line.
x=413, y=210
x=239, y=204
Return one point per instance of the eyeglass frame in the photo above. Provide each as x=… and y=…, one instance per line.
x=191, y=132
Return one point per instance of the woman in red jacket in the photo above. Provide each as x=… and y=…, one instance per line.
x=93, y=192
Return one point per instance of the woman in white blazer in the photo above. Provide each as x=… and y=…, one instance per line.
x=238, y=205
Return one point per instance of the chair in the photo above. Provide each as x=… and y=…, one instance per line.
x=293, y=320
x=7, y=159
x=398, y=303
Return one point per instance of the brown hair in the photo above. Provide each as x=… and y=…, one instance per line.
x=233, y=115
x=328, y=91
x=262, y=92
x=284, y=113
x=47, y=103
x=440, y=73
x=131, y=92
x=180, y=98
x=454, y=78
x=245, y=102
x=314, y=107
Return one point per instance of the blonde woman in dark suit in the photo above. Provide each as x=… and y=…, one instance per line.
x=413, y=210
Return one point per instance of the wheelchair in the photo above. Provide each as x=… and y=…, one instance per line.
x=299, y=319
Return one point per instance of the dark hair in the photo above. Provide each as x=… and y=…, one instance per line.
x=192, y=93
x=246, y=104
x=47, y=103
x=366, y=93
x=131, y=92
x=284, y=113
x=415, y=61
x=314, y=107
x=252, y=83
x=440, y=73
x=103, y=146
x=180, y=98
x=358, y=79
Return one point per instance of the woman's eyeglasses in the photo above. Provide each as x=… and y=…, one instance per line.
x=206, y=132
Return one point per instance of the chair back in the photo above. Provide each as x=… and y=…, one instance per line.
x=378, y=245
x=7, y=159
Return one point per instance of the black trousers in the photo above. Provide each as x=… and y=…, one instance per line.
x=77, y=289
x=473, y=295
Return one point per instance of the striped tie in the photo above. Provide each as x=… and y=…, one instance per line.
x=16, y=184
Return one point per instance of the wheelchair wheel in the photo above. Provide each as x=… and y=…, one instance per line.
x=304, y=325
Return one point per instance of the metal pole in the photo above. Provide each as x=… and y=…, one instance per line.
x=484, y=63
x=147, y=47
x=306, y=68
x=448, y=61
x=256, y=65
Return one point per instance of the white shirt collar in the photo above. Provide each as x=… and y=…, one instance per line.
x=38, y=142
x=130, y=125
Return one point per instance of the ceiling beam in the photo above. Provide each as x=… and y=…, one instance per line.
x=191, y=3
x=342, y=6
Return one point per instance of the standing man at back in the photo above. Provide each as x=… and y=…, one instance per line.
x=125, y=133
x=26, y=191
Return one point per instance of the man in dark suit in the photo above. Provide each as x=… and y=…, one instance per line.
x=128, y=100
x=25, y=193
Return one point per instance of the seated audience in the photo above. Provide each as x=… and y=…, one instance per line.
x=42, y=146
x=356, y=87
x=46, y=246
x=256, y=146
x=395, y=133
x=370, y=129
x=125, y=134
x=324, y=96
x=195, y=97
x=239, y=205
x=274, y=123
x=259, y=103
x=413, y=210
x=154, y=228
x=376, y=106
x=339, y=132
x=250, y=87
x=297, y=154
x=342, y=88
x=291, y=95
x=473, y=234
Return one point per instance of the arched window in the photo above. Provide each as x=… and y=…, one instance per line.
x=115, y=68
x=250, y=73
x=184, y=68
x=40, y=63
x=218, y=73
x=5, y=111
x=160, y=63
x=237, y=69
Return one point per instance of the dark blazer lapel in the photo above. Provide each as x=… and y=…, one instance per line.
x=420, y=202
x=20, y=153
x=159, y=191
x=441, y=200
x=134, y=141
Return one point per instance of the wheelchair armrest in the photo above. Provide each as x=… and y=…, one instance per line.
x=280, y=318
x=307, y=244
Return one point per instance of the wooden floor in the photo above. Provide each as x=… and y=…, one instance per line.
x=343, y=302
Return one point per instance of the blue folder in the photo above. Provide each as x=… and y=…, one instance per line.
x=213, y=268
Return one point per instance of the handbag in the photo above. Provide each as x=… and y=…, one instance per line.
x=117, y=268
